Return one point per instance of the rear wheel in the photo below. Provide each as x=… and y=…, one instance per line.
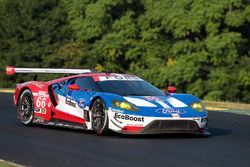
x=99, y=117
x=26, y=107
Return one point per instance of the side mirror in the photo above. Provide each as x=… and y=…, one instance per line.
x=73, y=87
x=171, y=89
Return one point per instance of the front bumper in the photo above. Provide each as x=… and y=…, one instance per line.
x=131, y=124
x=171, y=126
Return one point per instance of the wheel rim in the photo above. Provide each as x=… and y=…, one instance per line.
x=98, y=116
x=26, y=109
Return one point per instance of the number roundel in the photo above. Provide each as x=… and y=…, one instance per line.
x=41, y=102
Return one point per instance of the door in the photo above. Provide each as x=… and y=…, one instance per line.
x=73, y=103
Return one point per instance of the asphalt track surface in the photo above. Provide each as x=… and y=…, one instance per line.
x=229, y=145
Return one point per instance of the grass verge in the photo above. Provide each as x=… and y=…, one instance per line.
x=8, y=164
x=227, y=105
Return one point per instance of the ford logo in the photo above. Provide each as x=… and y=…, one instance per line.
x=169, y=111
x=81, y=103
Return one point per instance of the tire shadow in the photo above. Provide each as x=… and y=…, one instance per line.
x=59, y=128
x=213, y=130
x=214, y=133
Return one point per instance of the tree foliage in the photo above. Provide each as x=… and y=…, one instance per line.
x=199, y=46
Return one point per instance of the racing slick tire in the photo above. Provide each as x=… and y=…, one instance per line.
x=25, y=109
x=99, y=117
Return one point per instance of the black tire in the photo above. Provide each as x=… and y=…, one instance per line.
x=99, y=117
x=25, y=108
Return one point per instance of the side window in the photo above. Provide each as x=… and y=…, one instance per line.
x=58, y=86
x=84, y=83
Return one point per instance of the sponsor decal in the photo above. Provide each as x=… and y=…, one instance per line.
x=152, y=98
x=43, y=110
x=38, y=84
x=140, y=125
x=37, y=110
x=42, y=93
x=10, y=70
x=128, y=117
x=169, y=111
x=81, y=103
x=119, y=77
x=40, y=110
x=70, y=102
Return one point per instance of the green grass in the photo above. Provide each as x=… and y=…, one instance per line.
x=8, y=164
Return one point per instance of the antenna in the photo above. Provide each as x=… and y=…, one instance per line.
x=107, y=72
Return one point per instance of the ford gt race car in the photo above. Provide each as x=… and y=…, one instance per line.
x=106, y=102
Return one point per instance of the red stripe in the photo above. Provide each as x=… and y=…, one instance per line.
x=132, y=128
x=68, y=117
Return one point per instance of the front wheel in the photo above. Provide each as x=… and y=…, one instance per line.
x=25, y=108
x=99, y=117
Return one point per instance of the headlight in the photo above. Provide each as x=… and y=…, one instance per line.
x=124, y=105
x=198, y=106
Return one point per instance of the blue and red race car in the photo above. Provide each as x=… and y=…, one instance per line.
x=107, y=102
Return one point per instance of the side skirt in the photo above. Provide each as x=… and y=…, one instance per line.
x=59, y=123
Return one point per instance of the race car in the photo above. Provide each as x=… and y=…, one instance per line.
x=106, y=102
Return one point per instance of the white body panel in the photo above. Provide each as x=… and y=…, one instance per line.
x=62, y=106
x=116, y=124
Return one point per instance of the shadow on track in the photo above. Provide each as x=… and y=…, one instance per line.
x=219, y=131
x=214, y=132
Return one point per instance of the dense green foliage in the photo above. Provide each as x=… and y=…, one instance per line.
x=199, y=46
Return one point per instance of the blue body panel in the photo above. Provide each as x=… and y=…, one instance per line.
x=183, y=112
x=84, y=98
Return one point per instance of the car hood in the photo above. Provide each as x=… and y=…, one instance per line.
x=172, y=105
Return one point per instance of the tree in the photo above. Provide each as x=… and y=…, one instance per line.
x=201, y=47
x=31, y=32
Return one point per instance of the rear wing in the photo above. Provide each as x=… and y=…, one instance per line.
x=12, y=70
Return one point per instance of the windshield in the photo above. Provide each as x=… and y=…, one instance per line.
x=133, y=88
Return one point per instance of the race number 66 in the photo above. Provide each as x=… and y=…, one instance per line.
x=41, y=102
